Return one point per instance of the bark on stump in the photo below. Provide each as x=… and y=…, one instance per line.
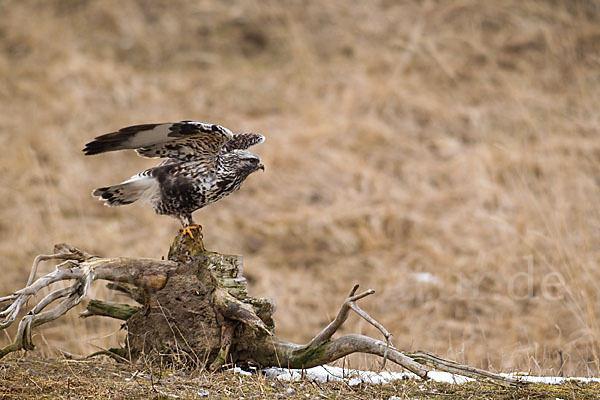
x=203, y=305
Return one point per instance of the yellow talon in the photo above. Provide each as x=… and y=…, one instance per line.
x=188, y=230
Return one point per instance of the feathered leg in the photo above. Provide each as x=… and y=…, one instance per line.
x=188, y=226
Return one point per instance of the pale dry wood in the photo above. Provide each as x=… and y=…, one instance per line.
x=453, y=367
x=327, y=350
x=322, y=349
x=350, y=304
x=69, y=299
x=63, y=252
x=21, y=296
x=145, y=273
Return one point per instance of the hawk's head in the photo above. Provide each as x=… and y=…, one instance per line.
x=243, y=162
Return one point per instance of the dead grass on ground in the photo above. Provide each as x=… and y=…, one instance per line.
x=94, y=379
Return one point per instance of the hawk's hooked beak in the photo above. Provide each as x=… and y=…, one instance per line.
x=261, y=166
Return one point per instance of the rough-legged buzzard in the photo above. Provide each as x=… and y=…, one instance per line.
x=204, y=162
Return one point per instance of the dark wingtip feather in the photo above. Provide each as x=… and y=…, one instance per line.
x=109, y=142
x=99, y=192
x=102, y=146
x=92, y=148
x=115, y=140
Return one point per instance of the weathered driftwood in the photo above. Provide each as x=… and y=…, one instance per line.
x=196, y=311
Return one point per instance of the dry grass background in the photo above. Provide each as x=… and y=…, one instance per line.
x=405, y=138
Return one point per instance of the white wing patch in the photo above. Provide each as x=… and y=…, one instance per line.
x=160, y=134
x=180, y=140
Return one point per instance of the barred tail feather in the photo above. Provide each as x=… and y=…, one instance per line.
x=127, y=192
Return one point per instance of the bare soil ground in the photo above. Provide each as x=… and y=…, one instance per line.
x=50, y=379
x=443, y=153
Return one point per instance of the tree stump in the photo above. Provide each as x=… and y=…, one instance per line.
x=195, y=311
x=204, y=303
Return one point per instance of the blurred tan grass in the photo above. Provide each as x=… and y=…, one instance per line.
x=427, y=150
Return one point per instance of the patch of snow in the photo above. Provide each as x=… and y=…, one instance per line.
x=550, y=380
x=174, y=396
x=426, y=277
x=238, y=370
x=355, y=377
x=447, y=377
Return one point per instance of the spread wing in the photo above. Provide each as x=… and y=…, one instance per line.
x=185, y=140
